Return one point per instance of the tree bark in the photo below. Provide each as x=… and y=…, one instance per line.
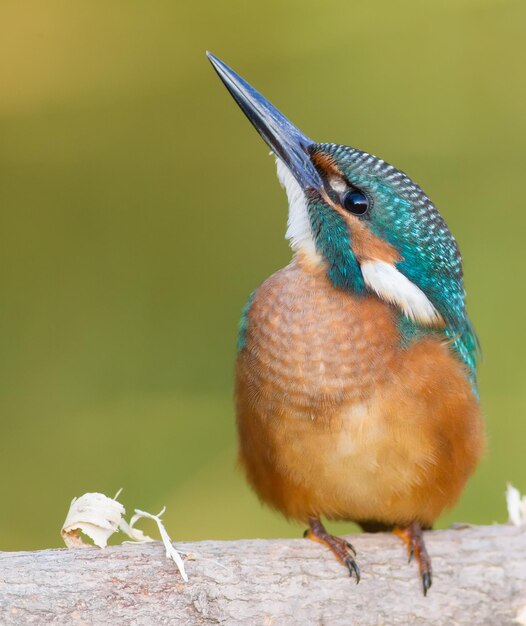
x=479, y=578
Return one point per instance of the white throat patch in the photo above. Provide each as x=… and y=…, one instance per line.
x=392, y=286
x=299, y=231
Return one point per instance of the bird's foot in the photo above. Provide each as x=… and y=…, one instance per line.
x=414, y=540
x=342, y=549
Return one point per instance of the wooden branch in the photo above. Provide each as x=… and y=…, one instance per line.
x=479, y=578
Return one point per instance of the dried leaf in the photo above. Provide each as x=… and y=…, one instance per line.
x=171, y=552
x=94, y=514
x=98, y=517
x=516, y=506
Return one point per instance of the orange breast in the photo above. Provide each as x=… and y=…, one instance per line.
x=336, y=419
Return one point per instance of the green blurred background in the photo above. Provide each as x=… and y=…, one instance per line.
x=139, y=209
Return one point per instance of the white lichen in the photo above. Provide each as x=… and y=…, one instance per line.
x=171, y=552
x=99, y=517
x=516, y=506
x=94, y=514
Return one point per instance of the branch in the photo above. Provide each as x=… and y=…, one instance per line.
x=479, y=578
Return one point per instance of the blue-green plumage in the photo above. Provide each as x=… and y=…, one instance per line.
x=333, y=242
x=243, y=323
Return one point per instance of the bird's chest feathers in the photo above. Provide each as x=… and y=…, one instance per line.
x=334, y=409
x=312, y=347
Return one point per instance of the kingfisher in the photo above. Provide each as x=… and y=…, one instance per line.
x=356, y=394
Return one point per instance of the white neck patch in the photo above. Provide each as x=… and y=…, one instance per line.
x=392, y=286
x=299, y=231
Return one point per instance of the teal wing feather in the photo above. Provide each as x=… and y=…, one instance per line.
x=243, y=323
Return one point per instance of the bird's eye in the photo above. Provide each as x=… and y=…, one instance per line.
x=355, y=202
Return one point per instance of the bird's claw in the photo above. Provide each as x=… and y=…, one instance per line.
x=341, y=548
x=426, y=582
x=353, y=567
x=414, y=541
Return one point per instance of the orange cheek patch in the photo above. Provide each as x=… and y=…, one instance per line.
x=368, y=246
x=365, y=244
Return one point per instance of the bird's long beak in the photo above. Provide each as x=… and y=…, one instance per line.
x=284, y=139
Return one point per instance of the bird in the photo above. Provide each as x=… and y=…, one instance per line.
x=355, y=382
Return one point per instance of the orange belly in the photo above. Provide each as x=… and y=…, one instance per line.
x=336, y=419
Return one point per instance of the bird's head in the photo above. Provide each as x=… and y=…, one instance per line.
x=375, y=230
